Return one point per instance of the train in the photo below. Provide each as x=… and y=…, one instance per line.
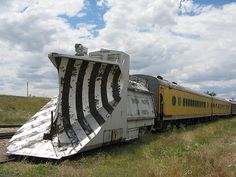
x=100, y=103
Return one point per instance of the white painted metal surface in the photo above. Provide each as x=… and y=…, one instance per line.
x=91, y=101
x=141, y=112
x=28, y=140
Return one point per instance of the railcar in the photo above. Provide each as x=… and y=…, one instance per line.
x=99, y=103
x=233, y=108
x=176, y=103
x=221, y=108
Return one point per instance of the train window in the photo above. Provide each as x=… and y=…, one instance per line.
x=183, y=101
x=179, y=101
x=173, y=100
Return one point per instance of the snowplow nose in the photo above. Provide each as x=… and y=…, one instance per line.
x=90, y=88
x=88, y=93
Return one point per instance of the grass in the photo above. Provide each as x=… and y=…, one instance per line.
x=202, y=150
x=17, y=110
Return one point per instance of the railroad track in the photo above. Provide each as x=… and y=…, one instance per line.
x=6, y=135
x=10, y=126
x=8, y=130
x=7, y=160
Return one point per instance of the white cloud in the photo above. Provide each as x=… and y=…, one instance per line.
x=185, y=48
x=189, y=43
x=29, y=30
x=101, y=3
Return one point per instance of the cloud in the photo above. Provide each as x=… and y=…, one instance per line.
x=101, y=3
x=189, y=43
x=28, y=32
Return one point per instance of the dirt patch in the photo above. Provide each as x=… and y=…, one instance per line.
x=3, y=149
x=5, y=130
x=4, y=142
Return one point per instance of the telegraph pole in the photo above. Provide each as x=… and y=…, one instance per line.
x=27, y=89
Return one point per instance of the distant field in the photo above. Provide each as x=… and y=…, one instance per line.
x=203, y=150
x=17, y=110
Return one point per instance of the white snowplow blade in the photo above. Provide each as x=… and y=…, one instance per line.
x=89, y=90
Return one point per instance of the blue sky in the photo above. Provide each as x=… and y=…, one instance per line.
x=213, y=2
x=192, y=44
x=93, y=14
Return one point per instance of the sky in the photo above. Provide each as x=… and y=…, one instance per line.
x=191, y=42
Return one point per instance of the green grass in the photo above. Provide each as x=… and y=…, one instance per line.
x=17, y=110
x=203, y=150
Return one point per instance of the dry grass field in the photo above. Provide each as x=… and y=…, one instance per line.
x=202, y=150
x=16, y=109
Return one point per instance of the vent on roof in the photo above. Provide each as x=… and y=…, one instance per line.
x=174, y=83
x=160, y=77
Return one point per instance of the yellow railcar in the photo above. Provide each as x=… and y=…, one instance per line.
x=175, y=102
x=180, y=103
x=220, y=107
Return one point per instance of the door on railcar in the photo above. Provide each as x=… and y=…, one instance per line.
x=161, y=106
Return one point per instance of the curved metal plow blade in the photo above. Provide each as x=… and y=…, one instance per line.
x=89, y=91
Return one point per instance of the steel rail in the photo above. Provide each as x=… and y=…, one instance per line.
x=6, y=135
x=9, y=125
x=7, y=160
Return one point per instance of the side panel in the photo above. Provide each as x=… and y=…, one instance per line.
x=221, y=107
x=182, y=104
x=140, y=109
x=233, y=107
